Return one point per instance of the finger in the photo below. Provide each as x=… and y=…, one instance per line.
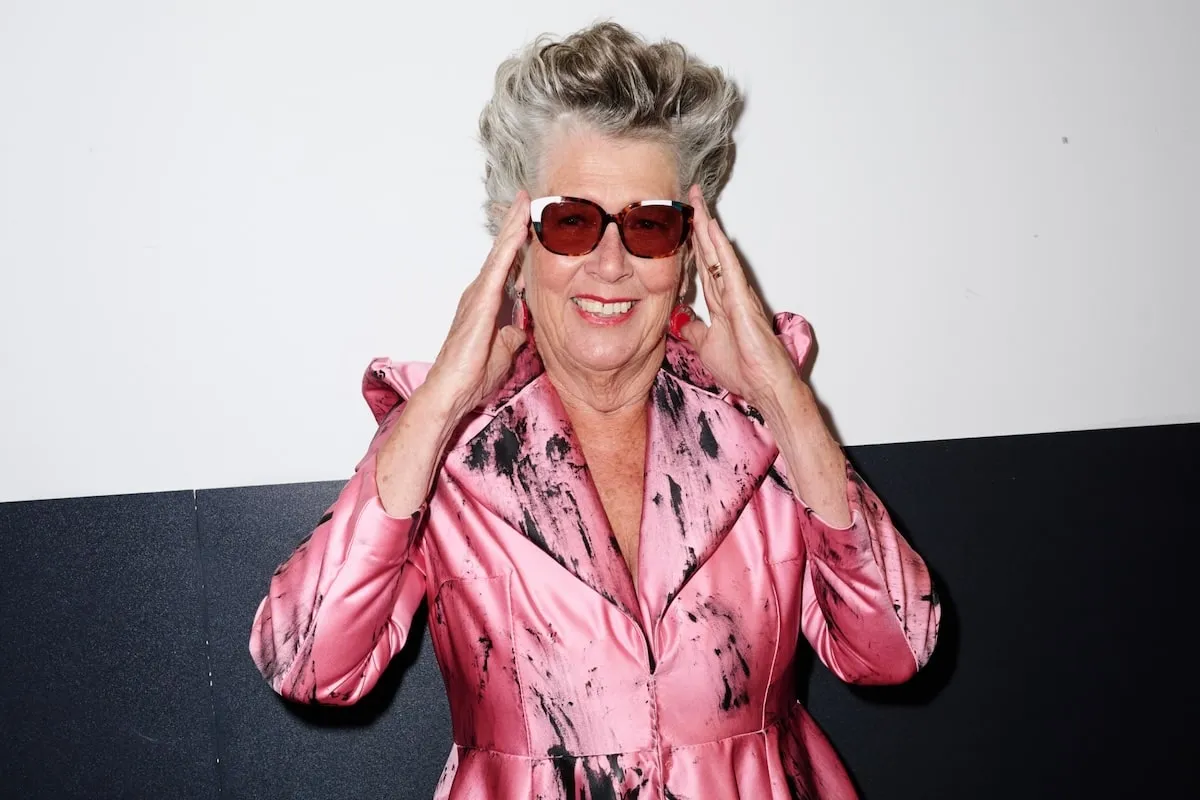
x=712, y=292
x=731, y=267
x=483, y=295
x=506, y=227
x=514, y=231
x=712, y=288
x=510, y=338
x=706, y=254
x=694, y=333
x=516, y=209
x=701, y=253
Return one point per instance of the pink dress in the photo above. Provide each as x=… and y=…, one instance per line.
x=566, y=680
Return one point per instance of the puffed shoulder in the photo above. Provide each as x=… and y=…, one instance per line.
x=795, y=333
x=387, y=382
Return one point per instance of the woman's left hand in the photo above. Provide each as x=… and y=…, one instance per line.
x=738, y=346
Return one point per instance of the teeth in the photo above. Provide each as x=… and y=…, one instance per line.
x=603, y=309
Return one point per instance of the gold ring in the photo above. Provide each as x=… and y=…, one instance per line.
x=715, y=269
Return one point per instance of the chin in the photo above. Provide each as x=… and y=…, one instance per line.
x=603, y=356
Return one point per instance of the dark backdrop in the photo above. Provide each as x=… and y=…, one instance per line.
x=1066, y=565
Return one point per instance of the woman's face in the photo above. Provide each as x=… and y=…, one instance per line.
x=562, y=291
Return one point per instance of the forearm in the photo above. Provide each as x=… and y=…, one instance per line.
x=407, y=461
x=816, y=464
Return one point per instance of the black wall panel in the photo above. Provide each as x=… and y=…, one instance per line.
x=392, y=744
x=1065, y=564
x=103, y=672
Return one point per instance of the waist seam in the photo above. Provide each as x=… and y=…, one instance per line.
x=646, y=750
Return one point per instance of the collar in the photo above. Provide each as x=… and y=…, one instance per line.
x=706, y=453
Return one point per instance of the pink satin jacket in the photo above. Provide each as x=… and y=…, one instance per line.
x=565, y=679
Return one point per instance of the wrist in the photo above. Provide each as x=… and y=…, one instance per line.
x=783, y=392
x=440, y=401
x=789, y=406
x=437, y=410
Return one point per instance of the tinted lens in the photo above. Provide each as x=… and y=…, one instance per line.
x=653, y=231
x=570, y=228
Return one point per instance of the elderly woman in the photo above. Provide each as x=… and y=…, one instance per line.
x=622, y=518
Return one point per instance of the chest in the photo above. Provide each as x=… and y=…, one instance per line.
x=617, y=468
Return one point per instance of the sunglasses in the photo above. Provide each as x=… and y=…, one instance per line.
x=571, y=226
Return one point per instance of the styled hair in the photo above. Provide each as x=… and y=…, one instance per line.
x=609, y=80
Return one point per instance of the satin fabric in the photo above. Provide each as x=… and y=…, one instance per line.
x=566, y=680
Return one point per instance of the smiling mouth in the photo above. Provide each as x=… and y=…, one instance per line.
x=601, y=309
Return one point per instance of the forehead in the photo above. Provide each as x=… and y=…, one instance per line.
x=612, y=171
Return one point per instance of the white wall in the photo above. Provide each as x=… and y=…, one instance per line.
x=212, y=214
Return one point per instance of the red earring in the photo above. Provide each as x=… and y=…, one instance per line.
x=681, y=315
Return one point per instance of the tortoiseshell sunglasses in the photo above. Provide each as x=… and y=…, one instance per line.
x=572, y=226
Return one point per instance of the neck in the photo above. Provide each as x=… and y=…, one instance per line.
x=612, y=394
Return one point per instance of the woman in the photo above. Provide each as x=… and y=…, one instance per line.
x=622, y=517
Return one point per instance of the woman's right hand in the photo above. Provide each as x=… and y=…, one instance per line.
x=476, y=356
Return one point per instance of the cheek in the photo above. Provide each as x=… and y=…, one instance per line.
x=543, y=271
x=662, y=277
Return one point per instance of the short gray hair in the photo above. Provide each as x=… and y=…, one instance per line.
x=616, y=83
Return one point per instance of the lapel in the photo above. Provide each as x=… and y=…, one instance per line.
x=706, y=453
x=527, y=466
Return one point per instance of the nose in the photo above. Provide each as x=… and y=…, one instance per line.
x=608, y=262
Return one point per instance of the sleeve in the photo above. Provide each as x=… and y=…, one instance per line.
x=869, y=607
x=341, y=606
